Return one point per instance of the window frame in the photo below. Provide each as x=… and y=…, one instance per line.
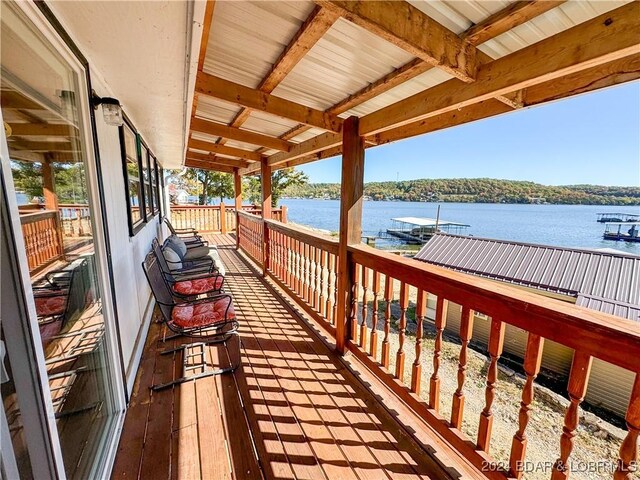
x=157, y=188
x=145, y=166
x=134, y=227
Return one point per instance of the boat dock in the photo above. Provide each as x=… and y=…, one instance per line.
x=618, y=217
x=418, y=230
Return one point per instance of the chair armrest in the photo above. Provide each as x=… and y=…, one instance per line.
x=210, y=299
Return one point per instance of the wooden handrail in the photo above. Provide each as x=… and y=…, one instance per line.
x=305, y=265
x=570, y=325
x=34, y=217
x=319, y=240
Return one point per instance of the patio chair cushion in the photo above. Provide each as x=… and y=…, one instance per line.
x=198, y=286
x=217, y=261
x=177, y=245
x=196, y=252
x=173, y=259
x=50, y=305
x=203, y=314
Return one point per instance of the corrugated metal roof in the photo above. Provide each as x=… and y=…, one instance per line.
x=603, y=281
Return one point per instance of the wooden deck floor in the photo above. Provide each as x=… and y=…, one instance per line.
x=292, y=410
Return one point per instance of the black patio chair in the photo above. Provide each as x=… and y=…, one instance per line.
x=63, y=296
x=211, y=319
x=197, y=279
x=188, y=235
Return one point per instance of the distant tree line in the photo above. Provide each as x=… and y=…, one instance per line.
x=477, y=190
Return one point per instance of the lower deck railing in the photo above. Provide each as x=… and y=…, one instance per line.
x=215, y=218
x=42, y=238
x=304, y=264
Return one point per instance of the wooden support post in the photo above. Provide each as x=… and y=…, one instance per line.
x=265, y=179
x=351, y=191
x=237, y=186
x=51, y=202
x=223, y=218
x=284, y=214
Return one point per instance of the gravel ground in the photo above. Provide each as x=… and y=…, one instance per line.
x=547, y=415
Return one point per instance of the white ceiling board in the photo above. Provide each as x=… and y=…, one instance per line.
x=142, y=56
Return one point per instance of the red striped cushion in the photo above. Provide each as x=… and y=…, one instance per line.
x=196, y=287
x=201, y=314
x=46, y=306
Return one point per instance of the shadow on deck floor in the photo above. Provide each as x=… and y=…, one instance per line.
x=292, y=410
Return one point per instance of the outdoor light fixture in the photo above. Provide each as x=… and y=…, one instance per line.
x=111, y=109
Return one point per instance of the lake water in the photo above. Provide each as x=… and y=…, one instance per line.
x=560, y=225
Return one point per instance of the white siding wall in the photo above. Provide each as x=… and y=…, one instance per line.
x=132, y=292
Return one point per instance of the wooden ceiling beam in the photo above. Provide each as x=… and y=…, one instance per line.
x=221, y=130
x=510, y=17
x=207, y=166
x=525, y=12
x=43, y=129
x=231, y=92
x=403, y=25
x=602, y=76
x=203, y=157
x=202, y=54
x=600, y=40
x=223, y=150
x=314, y=27
x=613, y=73
x=313, y=145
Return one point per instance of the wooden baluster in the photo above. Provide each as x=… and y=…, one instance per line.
x=312, y=276
x=402, y=327
x=466, y=330
x=388, y=297
x=532, y=362
x=290, y=257
x=310, y=269
x=578, y=380
x=298, y=269
x=628, y=461
x=322, y=306
x=373, y=347
x=353, y=320
x=303, y=253
x=421, y=312
x=334, y=306
x=365, y=308
x=496, y=343
x=318, y=278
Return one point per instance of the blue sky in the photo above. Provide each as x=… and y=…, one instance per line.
x=592, y=138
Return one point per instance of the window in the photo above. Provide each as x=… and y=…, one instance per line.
x=146, y=179
x=132, y=170
x=157, y=189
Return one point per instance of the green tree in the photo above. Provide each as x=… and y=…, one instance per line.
x=211, y=184
x=281, y=180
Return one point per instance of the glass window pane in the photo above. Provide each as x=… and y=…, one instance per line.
x=144, y=161
x=49, y=160
x=133, y=174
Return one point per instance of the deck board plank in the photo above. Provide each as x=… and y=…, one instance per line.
x=292, y=409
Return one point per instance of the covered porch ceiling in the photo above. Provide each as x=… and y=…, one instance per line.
x=276, y=79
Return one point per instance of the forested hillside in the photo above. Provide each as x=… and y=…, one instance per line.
x=481, y=190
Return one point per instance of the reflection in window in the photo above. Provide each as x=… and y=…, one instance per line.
x=49, y=161
x=134, y=185
x=144, y=163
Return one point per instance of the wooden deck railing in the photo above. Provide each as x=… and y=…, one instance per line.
x=42, y=238
x=207, y=218
x=75, y=220
x=251, y=235
x=304, y=264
